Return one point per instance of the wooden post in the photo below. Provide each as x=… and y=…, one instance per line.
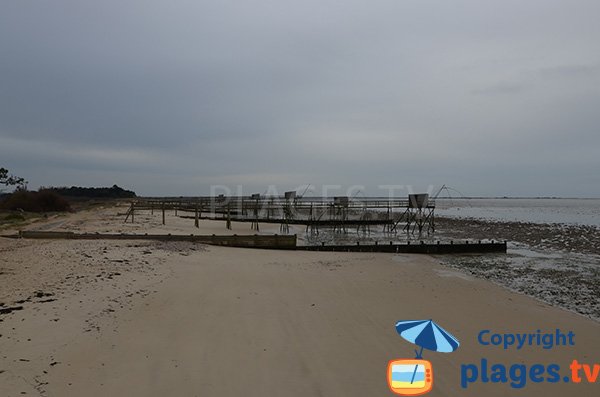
x=163, y=213
x=228, y=222
x=129, y=212
x=196, y=223
x=132, y=211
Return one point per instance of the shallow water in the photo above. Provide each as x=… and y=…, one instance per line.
x=564, y=211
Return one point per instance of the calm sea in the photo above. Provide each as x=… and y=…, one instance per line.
x=565, y=211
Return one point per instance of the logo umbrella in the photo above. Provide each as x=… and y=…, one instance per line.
x=426, y=334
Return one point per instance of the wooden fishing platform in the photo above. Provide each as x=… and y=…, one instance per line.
x=416, y=212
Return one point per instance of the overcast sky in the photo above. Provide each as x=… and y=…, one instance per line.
x=171, y=97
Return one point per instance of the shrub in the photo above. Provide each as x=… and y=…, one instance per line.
x=41, y=201
x=15, y=216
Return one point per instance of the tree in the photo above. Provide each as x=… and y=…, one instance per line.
x=7, y=179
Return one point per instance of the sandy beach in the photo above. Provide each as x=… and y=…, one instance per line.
x=137, y=318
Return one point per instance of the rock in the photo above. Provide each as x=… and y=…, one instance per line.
x=7, y=310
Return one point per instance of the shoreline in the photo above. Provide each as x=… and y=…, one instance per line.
x=552, y=263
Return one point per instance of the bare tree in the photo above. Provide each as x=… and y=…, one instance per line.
x=7, y=179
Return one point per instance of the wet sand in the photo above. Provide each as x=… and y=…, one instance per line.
x=556, y=263
x=153, y=319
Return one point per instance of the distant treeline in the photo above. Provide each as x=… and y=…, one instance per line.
x=93, y=192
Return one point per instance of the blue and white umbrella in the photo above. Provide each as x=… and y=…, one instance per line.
x=428, y=335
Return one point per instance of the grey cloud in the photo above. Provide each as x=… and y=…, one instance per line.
x=501, y=89
x=580, y=70
x=168, y=98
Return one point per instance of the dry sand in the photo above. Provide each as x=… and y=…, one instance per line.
x=138, y=318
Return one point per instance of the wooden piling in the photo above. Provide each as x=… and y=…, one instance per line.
x=129, y=212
